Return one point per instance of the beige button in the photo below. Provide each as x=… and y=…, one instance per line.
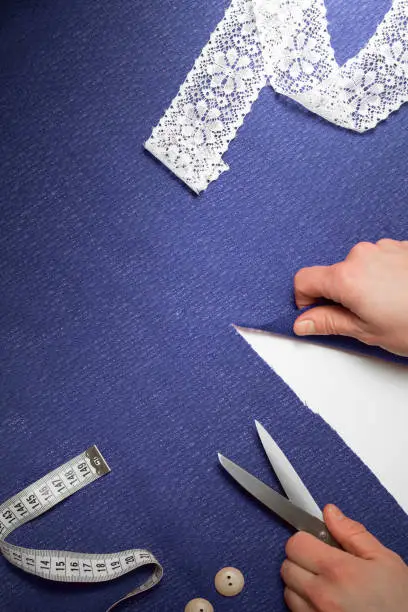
x=229, y=581
x=199, y=605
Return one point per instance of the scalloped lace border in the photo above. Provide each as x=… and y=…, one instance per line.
x=285, y=44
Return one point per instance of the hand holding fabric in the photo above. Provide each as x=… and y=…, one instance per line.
x=371, y=289
x=365, y=576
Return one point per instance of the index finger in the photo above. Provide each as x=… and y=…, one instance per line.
x=316, y=282
x=312, y=554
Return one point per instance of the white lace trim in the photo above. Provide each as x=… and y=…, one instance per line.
x=285, y=43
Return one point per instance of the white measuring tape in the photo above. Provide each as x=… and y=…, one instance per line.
x=67, y=566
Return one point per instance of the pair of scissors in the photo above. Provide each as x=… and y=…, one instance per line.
x=300, y=510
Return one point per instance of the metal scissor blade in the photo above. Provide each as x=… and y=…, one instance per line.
x=289, y=479
x=295, y=516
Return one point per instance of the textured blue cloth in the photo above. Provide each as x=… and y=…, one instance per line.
x=118, y=287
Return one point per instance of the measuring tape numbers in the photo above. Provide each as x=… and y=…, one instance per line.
x=67, y=566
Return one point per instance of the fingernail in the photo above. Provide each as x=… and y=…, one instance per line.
x=304, y=327
x=335, y=512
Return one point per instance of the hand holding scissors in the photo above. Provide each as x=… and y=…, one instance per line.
x=334, y=565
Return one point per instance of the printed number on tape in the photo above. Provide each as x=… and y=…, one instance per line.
x=60, y=565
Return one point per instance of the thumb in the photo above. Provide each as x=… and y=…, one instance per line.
x=327, y=320
x=352, y=536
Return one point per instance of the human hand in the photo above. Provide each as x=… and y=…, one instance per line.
x=371, y=288
x=364, y=577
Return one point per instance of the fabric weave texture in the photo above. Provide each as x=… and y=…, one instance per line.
x=119, y=287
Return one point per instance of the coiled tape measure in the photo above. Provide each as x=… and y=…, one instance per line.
x=66, y=566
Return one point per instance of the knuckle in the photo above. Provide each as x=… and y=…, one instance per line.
x=293, y=543
x=395, y=560
x=348, y=276
x=284, y=570
x=389, y=558
x=299, y=274
x=343, y=275
x=288, y=596
x=355, y=531
x=361, y=249
x=288, y=572
x=298, y=280
x=293, y=601
x=355, y=528
x=387, y=242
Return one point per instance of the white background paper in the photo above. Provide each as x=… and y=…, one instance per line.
x=364, y=399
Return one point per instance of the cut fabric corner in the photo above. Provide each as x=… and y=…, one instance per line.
x=286, y=44
x=241, y=330
x=362, y=399
x=283, y=326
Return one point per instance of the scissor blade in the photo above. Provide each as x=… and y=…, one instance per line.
x=295, y=516
x=289, y=479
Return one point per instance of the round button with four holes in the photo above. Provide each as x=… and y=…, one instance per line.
x=198, y=605
x=229, y=581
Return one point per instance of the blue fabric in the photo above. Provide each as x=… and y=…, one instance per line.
x=118, y=287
